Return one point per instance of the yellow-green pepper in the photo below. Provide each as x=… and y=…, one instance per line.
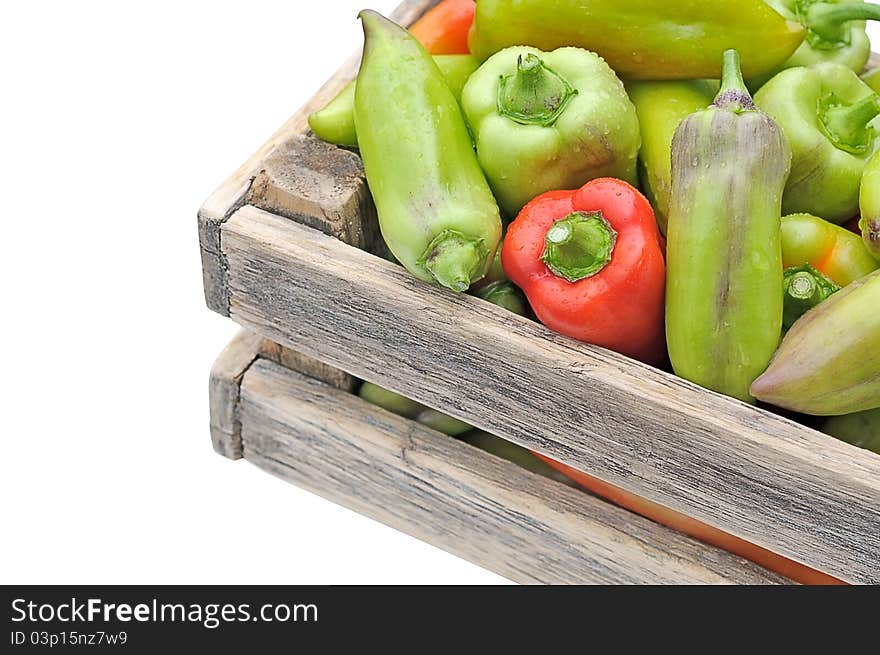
x=661, y=106
x=826, y=112
x=545, y=121
x=643, y=39
x=833, y=250
x=334, y=123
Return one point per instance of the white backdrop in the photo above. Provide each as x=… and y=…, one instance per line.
x=116, y=121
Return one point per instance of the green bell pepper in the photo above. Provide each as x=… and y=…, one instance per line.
x=334, y=123
x=826, y=113
x=872, y=79
x=549, y=121
x=514, y=453
x=723, y=300
x=869, y=203
x=661, y=106
x=861, y=429
x=436, y=212
x=643, y=39
x=835, y=33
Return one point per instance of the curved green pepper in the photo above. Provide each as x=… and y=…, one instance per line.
x=643, y=39
x=829, y=362
x=334, y=123
x=723, y=300
x=833, y=250
x=869, y=203
x=661, y=106
x=861, y=429
x=549, y=121
x=835, y=33
x=826, y=113
x=436, y=211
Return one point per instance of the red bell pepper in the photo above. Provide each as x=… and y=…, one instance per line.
x=591, y=264
x=444, y=29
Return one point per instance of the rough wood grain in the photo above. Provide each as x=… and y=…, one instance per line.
x=322, y=186
x=306, y=365
x=491, y=512
x=223, y=392
x=750, y=473
x=231, y=195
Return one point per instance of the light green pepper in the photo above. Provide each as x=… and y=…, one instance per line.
x=549, y=121
x=661, y=106
x=402, y=406
x=869, y=203
x=724, y=258
x=334, y=123
x=826, y=112
x=835, y=33
x=436, y=212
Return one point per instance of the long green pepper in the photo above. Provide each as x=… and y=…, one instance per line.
x=724, y=306
x=436, y=211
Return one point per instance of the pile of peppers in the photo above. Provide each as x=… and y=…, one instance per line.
x=693, y=185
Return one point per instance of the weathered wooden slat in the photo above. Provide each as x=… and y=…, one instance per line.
x=750, y=473
x=231, y=195
x=223, y=390
x=484, y=509
x=306, y=365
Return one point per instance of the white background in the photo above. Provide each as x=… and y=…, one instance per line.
x=116, y=121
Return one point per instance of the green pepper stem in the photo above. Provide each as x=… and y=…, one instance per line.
x=847, y=125
x=829, y=21
x=579, y=246
x=455, y=260
x=534, y=95
x=804, y=287
x=734, y=95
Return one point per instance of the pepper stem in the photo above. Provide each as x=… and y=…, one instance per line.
x=579, y=246
x=734, y=95
x=847, y=125
x=455, y=260
x=804, y=287
x=535, y=94
x=827, y=22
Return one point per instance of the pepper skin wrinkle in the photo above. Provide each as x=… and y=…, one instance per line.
x=724, y=258
x=436, y=211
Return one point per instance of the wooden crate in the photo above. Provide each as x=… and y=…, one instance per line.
x=286, y=247
x=523, y=526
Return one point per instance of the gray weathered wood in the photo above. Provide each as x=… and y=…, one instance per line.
x=322, y=186
x=223, y=391
x=760, y=477
x=232, y=194
x=491, y=512
x=306, y=365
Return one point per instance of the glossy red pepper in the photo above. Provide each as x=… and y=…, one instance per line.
x=591, y=265
x=444, y=29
